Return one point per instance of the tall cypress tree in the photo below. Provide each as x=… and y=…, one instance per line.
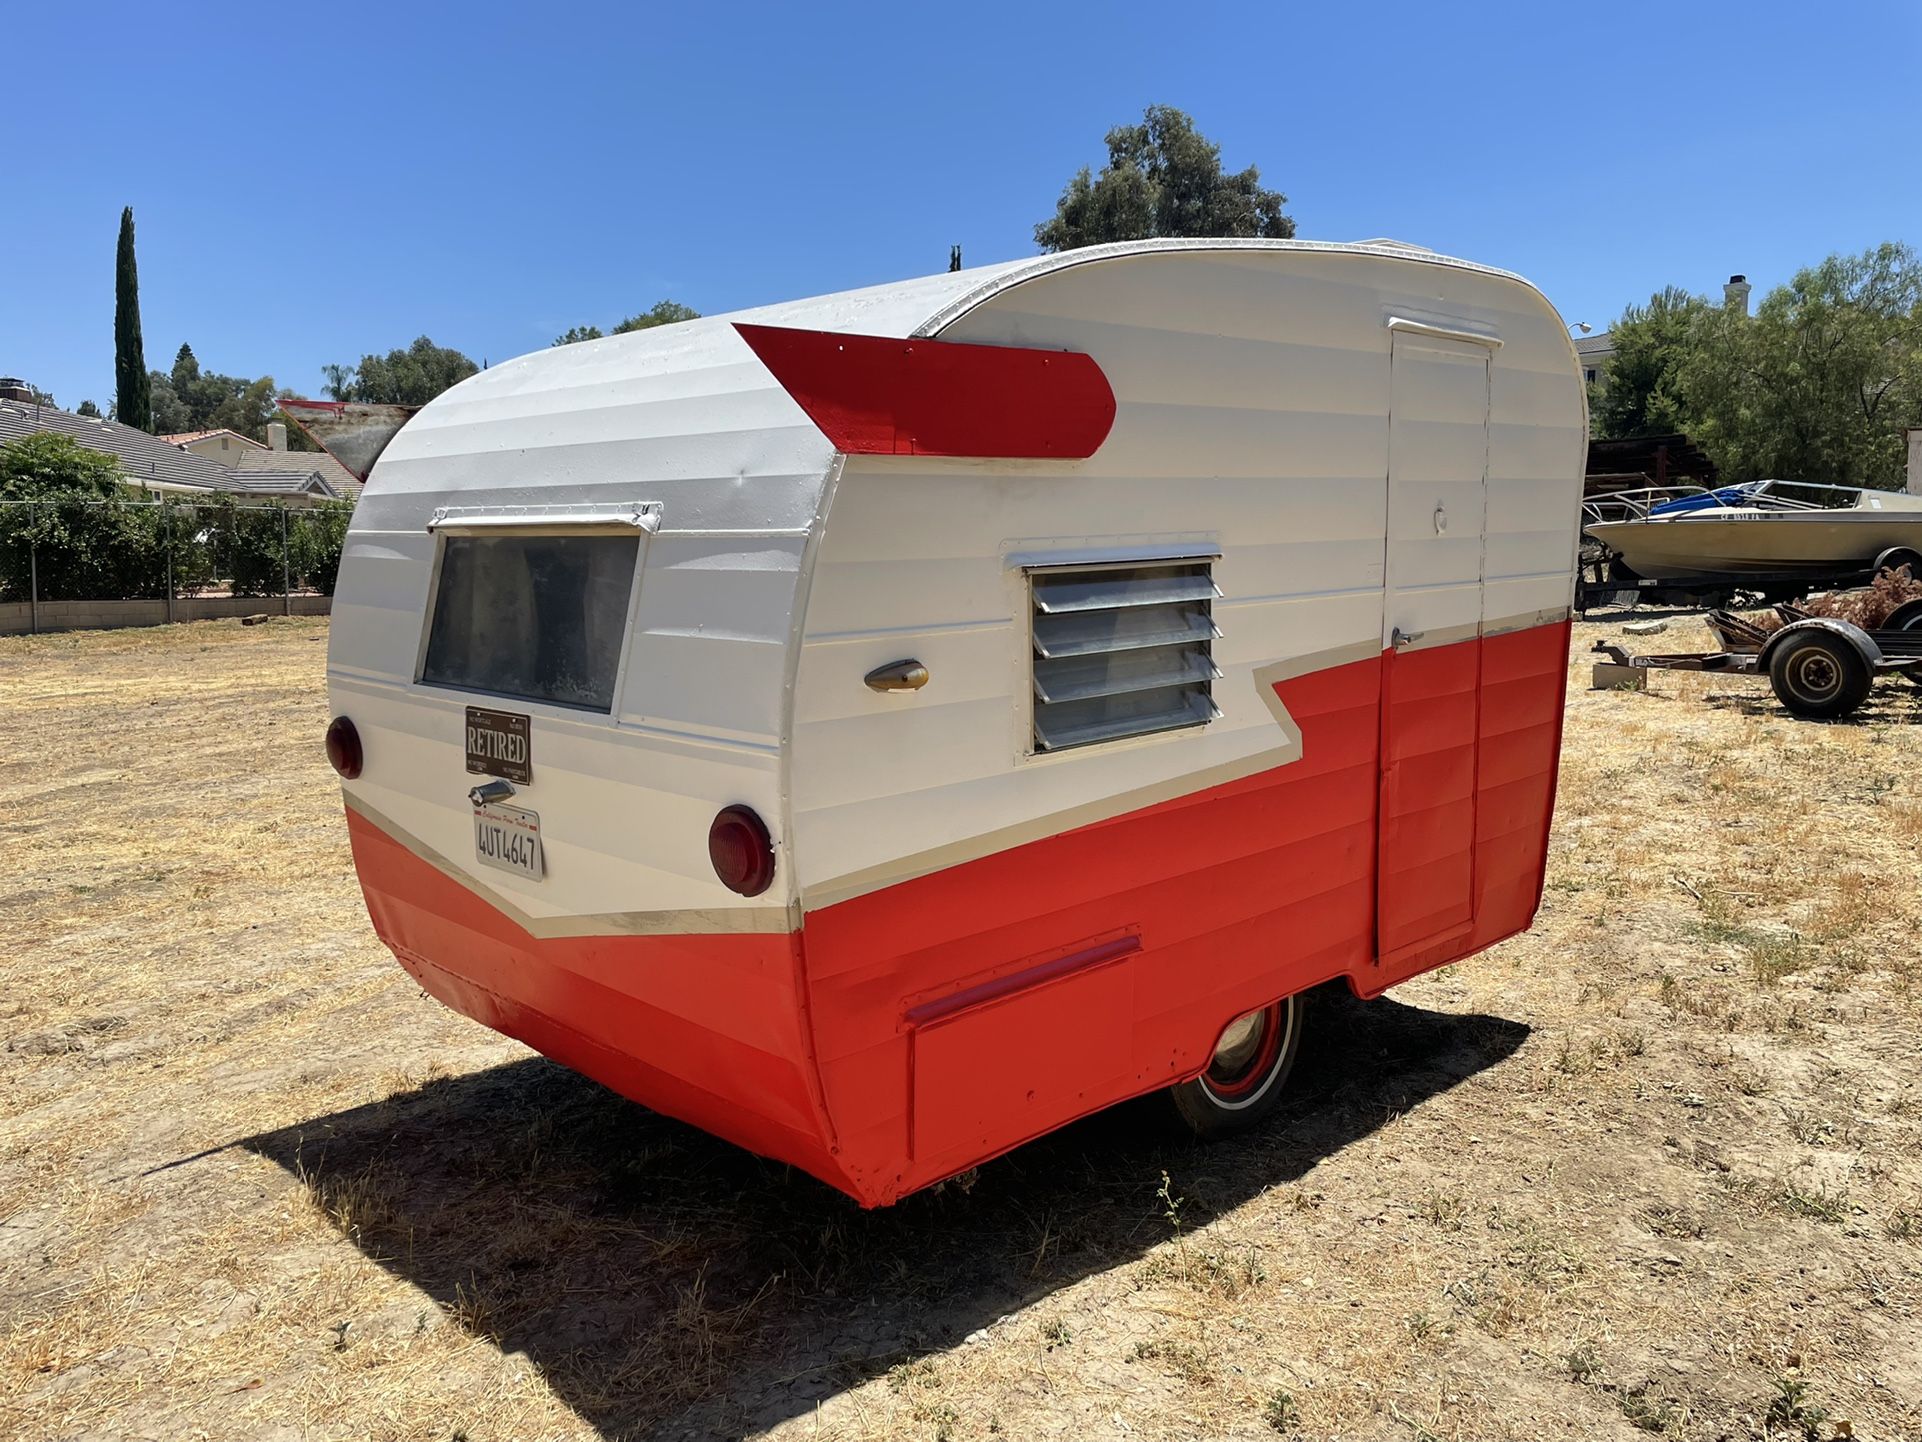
x=133, y=394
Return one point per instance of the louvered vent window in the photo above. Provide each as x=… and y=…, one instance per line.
x=1122, y=651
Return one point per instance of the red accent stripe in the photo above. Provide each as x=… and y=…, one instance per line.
x=881, y=396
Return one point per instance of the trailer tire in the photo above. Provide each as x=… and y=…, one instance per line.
x=1896, y=557
x=1245, y=1080
x=1819, y=675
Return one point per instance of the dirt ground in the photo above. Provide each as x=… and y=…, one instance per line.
x=1653, y=1168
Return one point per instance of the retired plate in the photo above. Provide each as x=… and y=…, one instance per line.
x=509, y=838
x=499, y=743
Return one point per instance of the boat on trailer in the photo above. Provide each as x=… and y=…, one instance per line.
x=1773, y=529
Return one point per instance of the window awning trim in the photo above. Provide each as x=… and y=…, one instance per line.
x=547, y=520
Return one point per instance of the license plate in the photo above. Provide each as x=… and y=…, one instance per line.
x=509, y=838
x=499, y=743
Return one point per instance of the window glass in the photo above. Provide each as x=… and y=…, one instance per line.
x=539, y=618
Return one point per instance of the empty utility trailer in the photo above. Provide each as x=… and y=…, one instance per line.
x=882, y=728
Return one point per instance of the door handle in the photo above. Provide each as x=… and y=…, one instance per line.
x=1400, y=638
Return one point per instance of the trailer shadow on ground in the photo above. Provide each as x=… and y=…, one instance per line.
x=669, y=1284
x=1892, y=701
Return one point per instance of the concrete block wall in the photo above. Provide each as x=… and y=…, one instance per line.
x=16, y=617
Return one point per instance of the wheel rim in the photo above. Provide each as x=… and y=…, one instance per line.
x=1244, y=1063
x=1815, y=675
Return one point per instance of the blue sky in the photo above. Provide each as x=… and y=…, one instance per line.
x=311, y=184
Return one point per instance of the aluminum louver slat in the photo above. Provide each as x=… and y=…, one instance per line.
x=1102, y=592
x=1121, y=651
x=1076, y=678
x=1082, y=723
x=1089, y=633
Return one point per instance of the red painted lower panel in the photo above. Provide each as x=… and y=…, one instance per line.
x=1239, y=894
x=706, y=1028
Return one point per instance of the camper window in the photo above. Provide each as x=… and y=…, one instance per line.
x=538, y=618
x=1121, y=651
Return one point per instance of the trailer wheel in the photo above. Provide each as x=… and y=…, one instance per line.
x=1819, y=675
x=1896, y=557
x=1244, y=1081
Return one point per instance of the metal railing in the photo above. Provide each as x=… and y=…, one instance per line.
x=103, y=549
x=1746, y=498
x=1634, y=505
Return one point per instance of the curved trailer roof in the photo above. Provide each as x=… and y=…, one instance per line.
x=512, y=405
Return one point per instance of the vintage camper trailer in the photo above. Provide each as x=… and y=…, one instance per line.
x=883, y=728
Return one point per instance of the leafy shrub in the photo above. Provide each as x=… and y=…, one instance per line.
x=80, y=550
x=316, y=541
x=82, y=537
x=247, y=545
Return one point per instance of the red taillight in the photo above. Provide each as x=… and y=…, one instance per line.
x=742, y=851
x=343, y=747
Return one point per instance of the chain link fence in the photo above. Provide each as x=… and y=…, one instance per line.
x=57, y=552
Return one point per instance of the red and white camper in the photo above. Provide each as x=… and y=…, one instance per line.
x=883, y=728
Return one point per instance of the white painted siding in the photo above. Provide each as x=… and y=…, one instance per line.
x=1252, y=381
x=1253, y=393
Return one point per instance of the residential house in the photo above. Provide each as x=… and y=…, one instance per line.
x=314, y=470
x=162, y=468
x=144, y=460
x=227, y=447
x=1596, y=351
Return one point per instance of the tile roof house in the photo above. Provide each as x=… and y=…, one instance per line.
x=338, y=482
x=152, y=462
x=269, y=481
x=144, y=460
x=228, y=447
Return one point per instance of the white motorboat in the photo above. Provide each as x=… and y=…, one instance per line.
x=1763, y=528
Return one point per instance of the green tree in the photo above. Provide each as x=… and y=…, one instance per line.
x=1653, y=343
x=340, y=381
x=1820, y=383
x=79, y=539
x=1163, y=178
x=662, y=312
x=410, y=377
x=170, y=413
x=132, y=403
x=88, y=408
x=188, y=398
x=48, y=464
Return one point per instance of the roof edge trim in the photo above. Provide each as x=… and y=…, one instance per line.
x=1067, y=259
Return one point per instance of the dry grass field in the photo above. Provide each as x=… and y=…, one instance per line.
x=1653, y=1169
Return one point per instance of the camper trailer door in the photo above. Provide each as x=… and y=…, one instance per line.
x=1432, y=611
